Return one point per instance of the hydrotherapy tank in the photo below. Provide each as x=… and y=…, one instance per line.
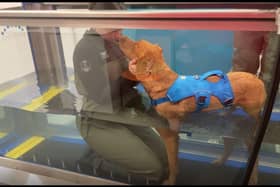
x=39, y=100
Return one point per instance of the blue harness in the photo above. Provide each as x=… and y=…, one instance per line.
x=202, y=89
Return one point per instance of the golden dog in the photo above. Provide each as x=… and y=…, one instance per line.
x=147, y=65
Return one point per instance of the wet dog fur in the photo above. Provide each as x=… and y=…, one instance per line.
x=147, y=65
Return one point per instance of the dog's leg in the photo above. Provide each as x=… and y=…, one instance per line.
x=229, y=142
x=171, y=140
x=174, y=125
x=228, y=147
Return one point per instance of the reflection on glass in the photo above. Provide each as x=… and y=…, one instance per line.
x=269, y=154
x=98, y=65
x=102, y=123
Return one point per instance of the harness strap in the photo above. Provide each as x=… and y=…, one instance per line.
x=155, y=102
x=202, y=100
x=203, y=96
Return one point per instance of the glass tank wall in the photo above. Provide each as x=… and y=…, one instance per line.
x=75, y=94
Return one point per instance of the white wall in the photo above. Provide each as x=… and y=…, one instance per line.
x=16, y=57
x=70, y=37
x=15, y=53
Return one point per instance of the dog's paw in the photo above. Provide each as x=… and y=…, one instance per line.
x=218, y=162
x=170, y=181
x=253, y=180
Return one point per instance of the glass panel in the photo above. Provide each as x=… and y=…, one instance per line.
x=269, y=154
x=70, y=100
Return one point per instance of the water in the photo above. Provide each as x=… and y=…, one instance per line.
x=119, y=141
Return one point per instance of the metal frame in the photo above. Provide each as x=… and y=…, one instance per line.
x=260, y=5
x=278, y=20
x=141, y=14
x=254, y=20
x=55, y=173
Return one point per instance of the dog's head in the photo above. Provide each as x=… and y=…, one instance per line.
x=146, y=59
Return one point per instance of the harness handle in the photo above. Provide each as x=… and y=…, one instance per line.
x=214, y=72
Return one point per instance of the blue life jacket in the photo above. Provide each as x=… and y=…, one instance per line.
x=201, y=88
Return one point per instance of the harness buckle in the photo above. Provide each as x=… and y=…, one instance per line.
x=201, y=100
x=153, y=102
x=228, y=102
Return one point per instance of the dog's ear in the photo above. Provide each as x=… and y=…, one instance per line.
x=152, y=62
x=128, y=75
